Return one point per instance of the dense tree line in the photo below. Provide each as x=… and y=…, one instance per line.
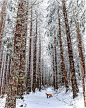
x=26, y=38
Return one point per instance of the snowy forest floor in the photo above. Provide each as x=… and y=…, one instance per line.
x=38, y=99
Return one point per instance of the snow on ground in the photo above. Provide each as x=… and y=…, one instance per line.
x=60, y=99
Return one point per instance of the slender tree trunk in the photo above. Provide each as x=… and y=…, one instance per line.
x=42, y=73
x=34, y=60
x=45, y=75
x=54, y=81
x=2, y=25
x=2, y=71
x=2, y=21
x=81, y=57
x=28, y=83
x=63, y=79
x=56, y=68
x=16, y=81
x=55, y=64
x=8, y=73
x=72, y=69
x=62, y=58
x=79, y=40
x=42, y=79
x=81, y=49
x=4, y=79
x=39, y=64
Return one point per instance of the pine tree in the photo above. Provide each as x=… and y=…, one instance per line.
x=16, y=81
x=70, y=52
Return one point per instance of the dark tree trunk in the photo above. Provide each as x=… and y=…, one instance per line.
x=54, y=81
x=42, y=73
x=28, y=83
x=34, y=61
x=71, y=61
x=39, y=64
x=63, y=78
x=2, y=25
x=8, y=73
x=56, y=68
x=2, y=21
x=4, y=79
x=62, y=58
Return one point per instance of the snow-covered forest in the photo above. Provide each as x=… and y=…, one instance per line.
x=42, y=54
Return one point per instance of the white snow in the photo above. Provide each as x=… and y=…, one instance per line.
x=38, y=99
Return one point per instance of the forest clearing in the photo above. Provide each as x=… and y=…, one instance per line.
x=42, y=54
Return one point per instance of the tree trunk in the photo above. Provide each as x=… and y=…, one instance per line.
x=54, y=81
x=39, y=64
x=81, y=57
x=34, y=60
x=16, y=81
x=79, y=40
x=28, y=83
x=71, y=61
x=56, y=69
x=62, y=58
x=4, y=79
x=45, y=75
x=42, y=73
x=2, y=25
x=8, y=73
x=2, y=21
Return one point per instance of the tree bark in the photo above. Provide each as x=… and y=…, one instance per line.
x=8, y=73
x=34, y=60
x=2, y=21
x=4, y=79
x=16, y=81
x=2, y=25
